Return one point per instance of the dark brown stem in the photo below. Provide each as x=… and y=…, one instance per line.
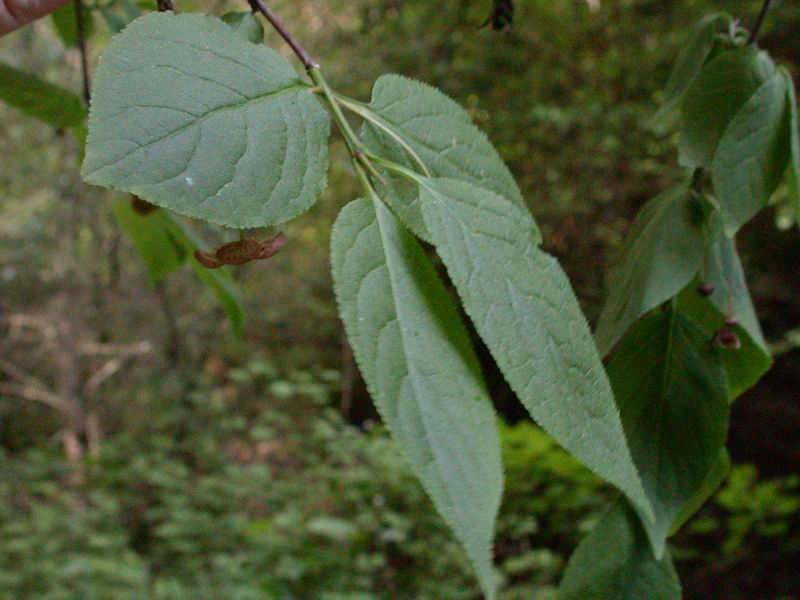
x=759, y=22
x=260, y=6
x=81, y=27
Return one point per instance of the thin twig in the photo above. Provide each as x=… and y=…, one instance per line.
x=276, y=23
x=81, y=27
x=759, y=22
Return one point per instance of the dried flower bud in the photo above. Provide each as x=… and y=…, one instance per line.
x=240, y=252
x=142, y=207
x=705, y=289
x=725, y=338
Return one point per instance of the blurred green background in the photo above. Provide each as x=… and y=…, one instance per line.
x=169, y=459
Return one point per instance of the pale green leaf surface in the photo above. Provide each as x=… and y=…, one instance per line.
x=721, y=88
x=66, y=24
x=691, y=59
x=670, y=387
x=246, y=24
x=746, y=365
x=164, y=242
x=188, y=115
x=752, y=154
x=423, y=122
x=523, y=307
x=416, y=358
x=614, y=562
x=40, y=99
x=662, y=253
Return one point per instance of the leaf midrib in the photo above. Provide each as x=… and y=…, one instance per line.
x=200, y=120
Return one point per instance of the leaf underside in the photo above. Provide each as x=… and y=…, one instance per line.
x=416, y=358
x=190, y=116
x=438, y=139
x=523, y=307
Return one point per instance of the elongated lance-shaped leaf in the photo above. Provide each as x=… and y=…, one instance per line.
x=40, y=99
x=190, y=116
x=690, y=60
x=418, y=126
x=671, y=391
x=662, y=253
x=721, y=88
x=524, y=308
x=416, y=358
x=164, y=243
x=614, y=562
x=713, y=480
x=752, y=154
x=730, y=298
x=66, y=24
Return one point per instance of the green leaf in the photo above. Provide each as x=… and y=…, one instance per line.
x=40, y=99
x=418, y=126
x=713, y=480
x=746, y=365
x=793, y=174
x=614, y=562
x=662, y=253
x=246, y=24
x=523, y=307
x=752, y=154
x=671, y=391
x=162, y=253
x=690, y=60
x=416, y=358
x=189, y=116
x=164, y=242
x=718, y=92
x=66, y=24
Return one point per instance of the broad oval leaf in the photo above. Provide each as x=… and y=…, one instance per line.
x=416, y=358
x=40, y=99
x=523, y=307
x=671, y=391
x=662, y=253
x=721, y=88
x=614, y=562
x=416, y=125
x=752, y=154
x=691, y=59
x=188, y=115
x=731, y=297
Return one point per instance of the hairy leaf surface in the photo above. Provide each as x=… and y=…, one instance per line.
x=718, y=92
x=662, y=253
x=752, y=154
x=188, y=115
x=416, y=358
x=523, y=307
x=418, y=126
x=40, y=99
x=614, y=562
x=670, y=388
x=246, y=24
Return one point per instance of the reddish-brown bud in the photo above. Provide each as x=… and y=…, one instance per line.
x=725, y=338
x=705, y=289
